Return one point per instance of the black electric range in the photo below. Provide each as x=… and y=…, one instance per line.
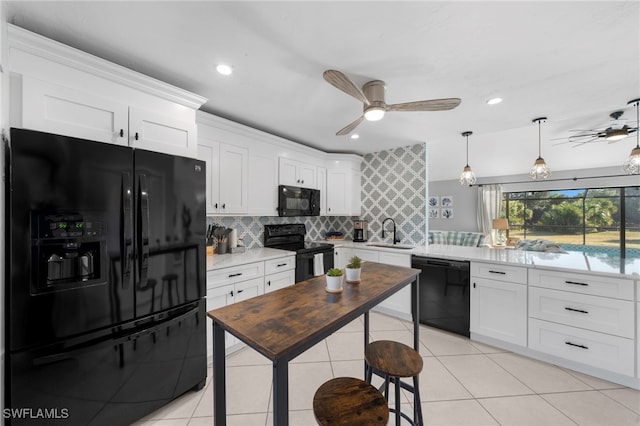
x=291, y=237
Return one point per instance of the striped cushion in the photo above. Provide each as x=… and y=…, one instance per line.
x=437, y=238
x=472, y=239
x=456, y=238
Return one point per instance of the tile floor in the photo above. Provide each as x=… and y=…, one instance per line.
x=462, y=383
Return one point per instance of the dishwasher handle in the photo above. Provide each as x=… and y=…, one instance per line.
x=439, y=263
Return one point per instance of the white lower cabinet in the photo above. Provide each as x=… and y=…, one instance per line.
x=400, y=303
x=341, y=256
x=603, y=351
x=584, y=318
x=279, y=280
x=279, y=273
x=230, y=285
x=233, y=284
x=499, y=302
x=499, y=310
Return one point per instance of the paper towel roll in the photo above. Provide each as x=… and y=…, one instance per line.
x=233, y=239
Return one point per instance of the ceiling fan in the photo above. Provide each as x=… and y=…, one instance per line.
x=372, y=97
x=617, y=129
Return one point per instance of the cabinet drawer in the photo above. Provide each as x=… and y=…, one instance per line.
x=599, y=350
x=280, y=264
x=618, y=288
x=234, y=274
x=595, y=313
x=279, y=280
x=499, y=272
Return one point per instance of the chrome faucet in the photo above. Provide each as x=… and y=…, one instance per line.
x=395, y=240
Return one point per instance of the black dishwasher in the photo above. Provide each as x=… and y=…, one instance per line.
x=444, y=293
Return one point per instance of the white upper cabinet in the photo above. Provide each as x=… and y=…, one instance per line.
x=322, y=187
x=64, y=111
x=343, y=192
x=158, y=132
x=263, y=183
x=338, y=192
x=227, y=177
x=296, y=173
x=57, y=89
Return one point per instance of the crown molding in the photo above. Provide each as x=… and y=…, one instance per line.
x=37, y=45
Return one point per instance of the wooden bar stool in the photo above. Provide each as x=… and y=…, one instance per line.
x=349, y=401
x=393, y=361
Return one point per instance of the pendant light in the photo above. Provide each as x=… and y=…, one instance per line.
x=632, y=165
x=467, y=177
x=540, y=170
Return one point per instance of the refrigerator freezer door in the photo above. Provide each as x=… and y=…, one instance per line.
x=67, y=211
x=170, y=226
x=115, y=379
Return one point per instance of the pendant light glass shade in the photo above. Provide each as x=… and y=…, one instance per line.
x=467, y=177
x=632, y=165
x=540, y=170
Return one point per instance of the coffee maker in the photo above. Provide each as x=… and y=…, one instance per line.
x=360, y=232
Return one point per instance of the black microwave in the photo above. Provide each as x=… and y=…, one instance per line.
x=295, y=201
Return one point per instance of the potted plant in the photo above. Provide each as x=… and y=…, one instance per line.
x=353, y=269
x=334, y=280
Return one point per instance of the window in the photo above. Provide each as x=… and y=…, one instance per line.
x=594, y=220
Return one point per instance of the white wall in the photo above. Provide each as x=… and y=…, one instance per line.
x=465, y=199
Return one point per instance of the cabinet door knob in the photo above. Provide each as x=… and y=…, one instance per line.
x=121, y=133
x=216, y=205
x=224, y=206
x=136, y=136
x=268, y=282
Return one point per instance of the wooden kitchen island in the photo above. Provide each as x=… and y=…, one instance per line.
x=283, y=324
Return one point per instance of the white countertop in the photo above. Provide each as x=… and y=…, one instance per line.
x=218, y=261
x=571, y=261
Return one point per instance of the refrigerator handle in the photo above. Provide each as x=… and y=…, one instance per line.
x=143, y=228
x=126, y=233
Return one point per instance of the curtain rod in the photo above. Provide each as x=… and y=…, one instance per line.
x=575, y=178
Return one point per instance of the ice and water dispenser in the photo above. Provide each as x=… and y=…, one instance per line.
x=68, y=250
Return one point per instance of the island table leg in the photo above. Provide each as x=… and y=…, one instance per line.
x=219, y=377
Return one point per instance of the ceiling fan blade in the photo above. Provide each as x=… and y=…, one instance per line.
x=430, y=105
x=349, y=127
x=342, y=82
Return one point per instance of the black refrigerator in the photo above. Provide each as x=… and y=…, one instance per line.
x=105, y=280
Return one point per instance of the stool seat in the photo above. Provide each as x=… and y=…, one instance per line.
x=393, y=361
x=393, y=358
x=349, y=401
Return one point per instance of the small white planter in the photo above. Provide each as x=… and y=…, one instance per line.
x=334, y=284
x=353, y=275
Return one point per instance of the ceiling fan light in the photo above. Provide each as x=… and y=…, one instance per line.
x=374, y=113
x=467, y=177
x=616, y=135
x=632, y=165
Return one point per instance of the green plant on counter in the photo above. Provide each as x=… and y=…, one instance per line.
x=354, y=263
x=334, y=272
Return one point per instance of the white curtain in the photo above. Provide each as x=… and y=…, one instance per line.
x=489, y=203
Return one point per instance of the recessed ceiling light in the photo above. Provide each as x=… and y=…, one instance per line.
x=355, y=136
x=494, y=101
x=224, y=69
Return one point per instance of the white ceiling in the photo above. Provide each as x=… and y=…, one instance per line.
x=574, y=62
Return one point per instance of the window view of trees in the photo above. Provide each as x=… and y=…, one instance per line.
x=604, y=217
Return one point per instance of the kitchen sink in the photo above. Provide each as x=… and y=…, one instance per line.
x=393, y=246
